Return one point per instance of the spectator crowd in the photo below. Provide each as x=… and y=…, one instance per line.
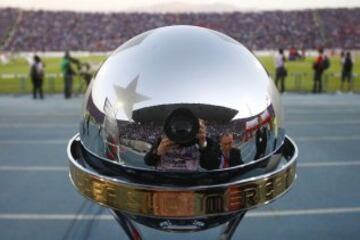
x=27, y=30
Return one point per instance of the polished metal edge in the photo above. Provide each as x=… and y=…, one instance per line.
x=179, y=202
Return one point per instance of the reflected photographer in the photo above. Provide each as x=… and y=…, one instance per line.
x=200, y=151
x=167, y=154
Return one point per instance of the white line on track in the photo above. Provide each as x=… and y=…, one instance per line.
x=313, y=104
x=289, y=109
x=37, y=125
x=65, y=168
x=54, y=217
x=260, y=214
x=342, y=123
x=62, y=113
x=72, y=125
x=326, y=111
x=302, y=212
x=297, y=139
x=34, y=168
x=329, y=164
x=48, y=141
x=327, y=138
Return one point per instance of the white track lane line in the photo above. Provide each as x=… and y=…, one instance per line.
x=42, y=141
x=65, y=168
x=71, y=125
x=342, y=123
x=37, y=125
x=297, y=139
x=34, y=168
x=256, y=214
x=327, y=138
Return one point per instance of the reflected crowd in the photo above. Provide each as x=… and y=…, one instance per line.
x=218, y=144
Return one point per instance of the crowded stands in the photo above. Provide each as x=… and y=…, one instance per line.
x=26, y=30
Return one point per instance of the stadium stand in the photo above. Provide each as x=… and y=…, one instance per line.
x=79, y=31
x=7, y=21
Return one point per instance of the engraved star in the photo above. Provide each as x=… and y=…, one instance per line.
x=128, y=96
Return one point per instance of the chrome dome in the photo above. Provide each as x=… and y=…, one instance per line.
x=156, y=72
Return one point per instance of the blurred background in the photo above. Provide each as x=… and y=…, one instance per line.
x=91, y=30
x=51, y=49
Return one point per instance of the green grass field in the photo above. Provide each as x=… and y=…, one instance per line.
x=299, y=78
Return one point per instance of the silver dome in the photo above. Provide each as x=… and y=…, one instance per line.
x=156, y=72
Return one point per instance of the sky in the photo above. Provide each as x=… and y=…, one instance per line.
x=124, y=5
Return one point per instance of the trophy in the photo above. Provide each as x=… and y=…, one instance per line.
x=182, y=133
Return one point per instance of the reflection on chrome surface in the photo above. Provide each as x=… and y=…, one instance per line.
x=127, y=143
x=151, y=76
